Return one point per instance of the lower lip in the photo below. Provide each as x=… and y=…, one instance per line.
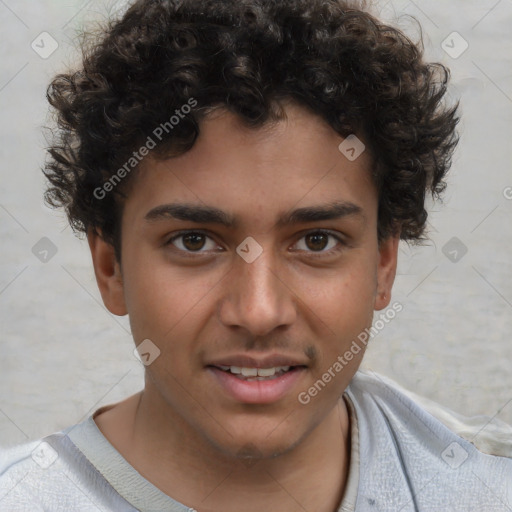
x=257, y=391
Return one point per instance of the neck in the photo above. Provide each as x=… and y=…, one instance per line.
x=184, y=465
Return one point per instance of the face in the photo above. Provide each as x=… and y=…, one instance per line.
x=254, y=252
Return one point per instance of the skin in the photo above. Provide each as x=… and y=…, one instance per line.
x=299, y=298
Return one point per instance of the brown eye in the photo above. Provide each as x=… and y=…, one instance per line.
x=192, y=241
x=317, y=241
x=320, y=242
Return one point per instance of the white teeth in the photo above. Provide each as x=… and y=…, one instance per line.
x=249, y=372
x=266, y=372
x=255, y=372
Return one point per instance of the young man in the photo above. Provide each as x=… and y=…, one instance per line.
x=244, y=172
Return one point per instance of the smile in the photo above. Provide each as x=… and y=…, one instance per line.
x=250, y=385
x=251, y=374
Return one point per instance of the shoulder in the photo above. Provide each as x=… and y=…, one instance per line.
x=415, y=454
x=19, y=474
x=53, y=474
x=489, y=435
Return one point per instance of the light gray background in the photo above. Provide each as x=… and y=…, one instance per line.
x=63, y=355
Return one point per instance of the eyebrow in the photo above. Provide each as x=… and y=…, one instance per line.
x=211, y=215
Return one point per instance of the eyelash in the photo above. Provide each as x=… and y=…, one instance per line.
x=316, y=254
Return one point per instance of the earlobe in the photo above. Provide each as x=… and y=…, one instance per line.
x=386, y=271
x=108, y=274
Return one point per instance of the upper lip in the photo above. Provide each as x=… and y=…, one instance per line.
x=246, y=361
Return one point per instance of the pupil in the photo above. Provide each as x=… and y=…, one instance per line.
x=190, y=241
x=316, y=237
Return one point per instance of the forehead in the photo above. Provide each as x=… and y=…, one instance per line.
x=260, y=172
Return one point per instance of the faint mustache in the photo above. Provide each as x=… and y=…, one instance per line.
x=267, y=344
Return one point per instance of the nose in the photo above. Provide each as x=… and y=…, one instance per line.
x=257, y=297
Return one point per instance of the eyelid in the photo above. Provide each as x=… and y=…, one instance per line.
x=184, y=232
x=342, y=243
x=302, y=234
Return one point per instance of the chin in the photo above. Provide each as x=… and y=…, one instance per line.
x=257, y=443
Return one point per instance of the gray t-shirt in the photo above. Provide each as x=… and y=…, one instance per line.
x=404, y=457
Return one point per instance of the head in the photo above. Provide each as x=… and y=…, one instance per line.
x=203, y=150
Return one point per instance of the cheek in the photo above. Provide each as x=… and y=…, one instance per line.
x=342, y=296
x=164, y=301
x=340, y=309
x=345, y=308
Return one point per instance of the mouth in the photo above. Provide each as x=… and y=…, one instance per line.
x=257, y=382
x=249, y=374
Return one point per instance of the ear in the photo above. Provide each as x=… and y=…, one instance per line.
x=108, y=274
x=386, y=270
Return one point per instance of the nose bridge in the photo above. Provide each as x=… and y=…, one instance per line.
x=258, y=299
x=259, y=277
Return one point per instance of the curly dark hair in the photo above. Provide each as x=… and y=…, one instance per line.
x=358, y=74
